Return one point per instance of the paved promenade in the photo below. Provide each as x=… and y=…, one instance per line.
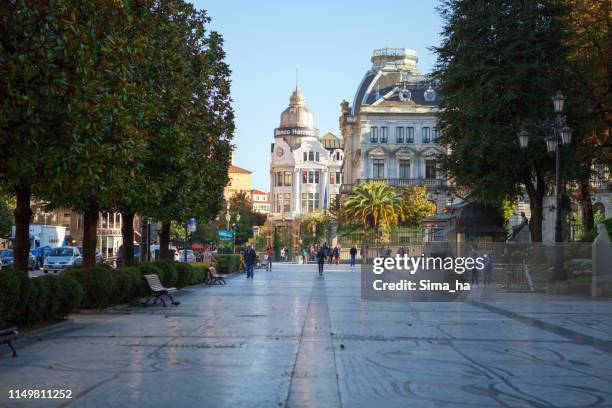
x=290, y=338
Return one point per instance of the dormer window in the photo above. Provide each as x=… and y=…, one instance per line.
x=311, y=156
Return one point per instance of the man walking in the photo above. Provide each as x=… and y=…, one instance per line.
x=353, y=253
x=321, y=255
x=473, y=254
x=250, y=258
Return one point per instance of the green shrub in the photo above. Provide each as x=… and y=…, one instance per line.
x=150, y=269
x=200, y=275
x=169, y=270
x=127, y=284
x=97, y=283
x=227, y=263
x=10, y=293
x=71, y=294
x=185, y=274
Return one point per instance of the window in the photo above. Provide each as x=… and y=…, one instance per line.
x=434, y=134
x=311, y=156
x=310, y=177
x=378, y=168
x=310, y=202
x=374, y=135
x=335, y=177
x=283, y=202
x=409, y=135
x=283, y=178
x=384, y=134
x=305, y=156
x=399, y=135
x=404, y=169
x=425, y=134
x=317, y=156
x=430, y=169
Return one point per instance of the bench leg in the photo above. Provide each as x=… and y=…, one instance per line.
x=161, y=297
x=145, y=304
x=10, y=344
x=175, y=303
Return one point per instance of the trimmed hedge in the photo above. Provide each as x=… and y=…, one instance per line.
x=227, y=263
x=25, y=301
x=170, y=275
x=97, y=284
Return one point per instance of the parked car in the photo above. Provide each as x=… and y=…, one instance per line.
x=61, y=258
x=6, y=259
x=180, y=257
x=40, y=254
x=99, y=258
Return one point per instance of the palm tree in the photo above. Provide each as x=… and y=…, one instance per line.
x=371, y=205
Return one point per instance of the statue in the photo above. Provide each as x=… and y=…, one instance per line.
x=344, y=107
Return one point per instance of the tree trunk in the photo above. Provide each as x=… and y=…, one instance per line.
x=588, y=218
x=536, y=204
x=127, y=231
x=23, y=214
x=90, y=227
x=164, y=240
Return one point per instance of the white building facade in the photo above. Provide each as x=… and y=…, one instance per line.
x=305, y=170
x=390, y=131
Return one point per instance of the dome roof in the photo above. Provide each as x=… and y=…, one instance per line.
x=297, y=114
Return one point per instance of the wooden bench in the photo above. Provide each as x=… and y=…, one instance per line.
x=7, y=336
x=159, y=291
x=215, y=277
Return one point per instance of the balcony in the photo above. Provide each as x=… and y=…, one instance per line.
x=397, y=182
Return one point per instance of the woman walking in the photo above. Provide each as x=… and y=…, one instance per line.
x=269, y=256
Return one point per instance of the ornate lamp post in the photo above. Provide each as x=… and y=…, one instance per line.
x=556, y=134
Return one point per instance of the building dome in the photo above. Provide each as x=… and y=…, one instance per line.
x=297, y=114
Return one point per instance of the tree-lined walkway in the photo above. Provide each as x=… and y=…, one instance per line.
x=291, y=338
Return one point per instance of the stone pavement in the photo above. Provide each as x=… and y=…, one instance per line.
x=290, y=338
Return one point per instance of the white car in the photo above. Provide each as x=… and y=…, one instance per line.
x=61, y=258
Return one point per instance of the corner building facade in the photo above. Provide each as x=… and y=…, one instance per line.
x=305, y=170
x=390, y=132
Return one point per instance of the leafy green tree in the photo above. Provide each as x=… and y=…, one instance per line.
x=189, y=168
x=498, y=65
x=40, y=52
x=415, y=205
x=7, y=206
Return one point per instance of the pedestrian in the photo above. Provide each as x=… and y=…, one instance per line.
x=282, y=254
x=337, y=253
x=269, y=256
x=401, y=251
x=250, y=257
x=304, y=255
x=488, y=268
x=321, y=255
x=473, y=254
x=353, y=253
x=364, y=254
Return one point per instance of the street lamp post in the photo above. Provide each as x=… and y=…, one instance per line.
x=557, y=133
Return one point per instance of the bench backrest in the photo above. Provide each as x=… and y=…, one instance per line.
x=154, y=282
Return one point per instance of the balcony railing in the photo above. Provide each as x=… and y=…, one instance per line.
x=396, y=182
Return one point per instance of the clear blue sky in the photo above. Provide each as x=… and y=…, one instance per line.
x=330, y=41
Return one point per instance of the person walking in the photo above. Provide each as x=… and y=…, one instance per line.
x=282, y=254
x=305, y=256
x=250, y=257
x=473, y=254
x=353, y=253
x=321, y=255
x=488, y=268
x=269, y=256
x=337, y=253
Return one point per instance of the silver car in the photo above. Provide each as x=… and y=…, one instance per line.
x=61, y=258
